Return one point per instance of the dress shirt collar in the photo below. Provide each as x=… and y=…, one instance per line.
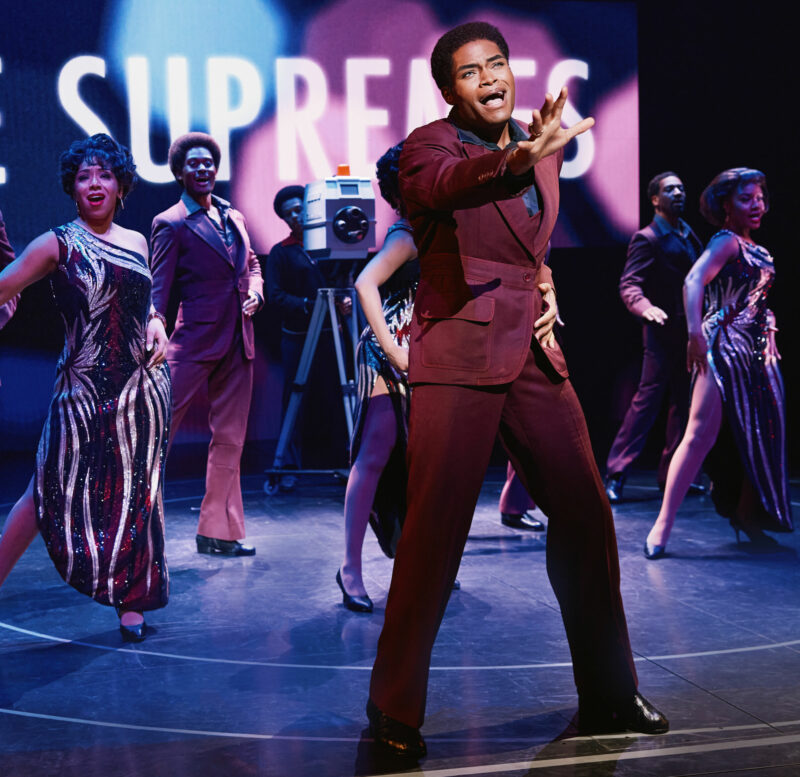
x=515, y=133
x=192, y=206
x=664, y=226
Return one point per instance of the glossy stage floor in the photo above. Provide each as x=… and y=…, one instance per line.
x=255, y=667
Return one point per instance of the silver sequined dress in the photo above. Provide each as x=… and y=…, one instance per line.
x=735, y=324
x=98, y=481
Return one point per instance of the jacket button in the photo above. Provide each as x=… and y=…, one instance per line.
x=527, y=277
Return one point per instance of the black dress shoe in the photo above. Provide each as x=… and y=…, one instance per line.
x=134, y=633
x=637, y=714
x=354, y=603
x=654, y=551
x=223, y=547
x=402, y=740
x=521, y=521
x=614, y=484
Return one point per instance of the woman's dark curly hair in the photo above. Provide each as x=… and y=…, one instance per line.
x=453, y=40
x=100, y=149
x=714, y=196
x=386, y=170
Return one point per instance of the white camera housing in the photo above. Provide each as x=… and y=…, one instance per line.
x=339, y=218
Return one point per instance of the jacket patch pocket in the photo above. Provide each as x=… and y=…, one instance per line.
x=456, y=334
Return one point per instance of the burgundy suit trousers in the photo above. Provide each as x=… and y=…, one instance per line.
x=452, y=432
x=230, y=387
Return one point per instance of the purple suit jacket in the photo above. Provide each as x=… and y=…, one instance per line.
x=191, y=264
x=481, y=258
x=6, y=257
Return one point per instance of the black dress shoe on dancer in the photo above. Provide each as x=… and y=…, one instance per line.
x=637, y=714
x=133, y=633
x=354, y=603
x=521, y=521
x=400, y=739
x=758, y=540
x=654, y=551
x=614, y=484
x=212, y=545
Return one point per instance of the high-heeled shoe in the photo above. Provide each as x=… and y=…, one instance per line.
x=654, y=551
x=755, y=534
x=134, y=633
x=354, y=603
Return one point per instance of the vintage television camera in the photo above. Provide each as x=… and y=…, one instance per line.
x=339, y=217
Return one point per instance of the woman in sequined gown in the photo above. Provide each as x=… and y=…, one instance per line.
x=377, y=483
x=737, y=397
x=96, y=494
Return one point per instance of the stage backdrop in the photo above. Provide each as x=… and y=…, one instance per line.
x=290, y=90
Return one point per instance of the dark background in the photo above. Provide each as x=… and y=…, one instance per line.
x=712, y=80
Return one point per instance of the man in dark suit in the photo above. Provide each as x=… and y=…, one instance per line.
x=482, y=196
x=293, y=278
x=651, y=286
x=202, y=259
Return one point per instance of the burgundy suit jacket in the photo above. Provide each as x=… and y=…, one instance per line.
x=191, y=264
x=481, y=258
x=6, y=257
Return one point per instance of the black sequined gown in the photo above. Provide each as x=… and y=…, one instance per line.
x=389, y=507
x=735, y=324
x=98, y=481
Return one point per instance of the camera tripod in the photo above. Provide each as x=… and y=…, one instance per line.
x=324, y=312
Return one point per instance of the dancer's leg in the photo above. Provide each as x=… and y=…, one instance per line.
x=377, y=441
x=18, y=533
x=705, y=416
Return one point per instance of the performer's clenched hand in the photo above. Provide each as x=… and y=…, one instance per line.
x=543, y=326
x=547, y=134
x=251, y=304
x=156, y=342
x=398, y=357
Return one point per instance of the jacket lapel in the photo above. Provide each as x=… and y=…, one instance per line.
x=243, y=243
x=515, y=214
x=201, y=225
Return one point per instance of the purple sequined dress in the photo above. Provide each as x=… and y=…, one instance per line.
x=100, y=460
x=389, y=506
x=735, y=324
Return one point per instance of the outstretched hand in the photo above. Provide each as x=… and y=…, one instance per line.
x=547, y=135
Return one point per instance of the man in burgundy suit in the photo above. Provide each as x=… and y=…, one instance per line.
x=482, y=196
x=202, y=259
x=651, y=286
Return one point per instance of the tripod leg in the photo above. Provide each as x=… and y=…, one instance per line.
x=298, y=389
x=343, y=381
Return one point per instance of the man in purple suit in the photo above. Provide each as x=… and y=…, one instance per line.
x=482, y=197
x=651, y=286
x=202, y=259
